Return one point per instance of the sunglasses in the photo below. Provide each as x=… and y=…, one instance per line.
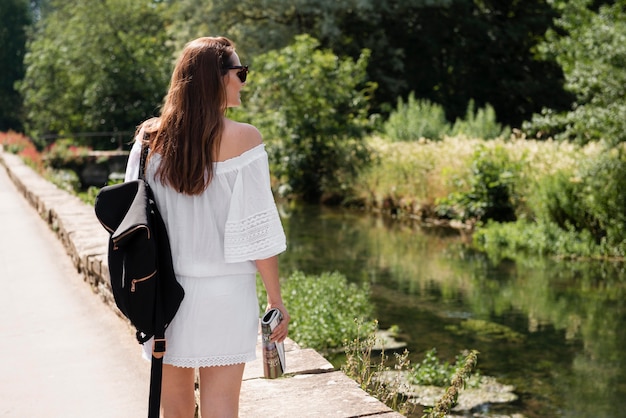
x=242, y=73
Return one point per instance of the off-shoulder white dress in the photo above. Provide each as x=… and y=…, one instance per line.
x=215, y=238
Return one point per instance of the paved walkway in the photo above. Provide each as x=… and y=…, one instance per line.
x=64, y=353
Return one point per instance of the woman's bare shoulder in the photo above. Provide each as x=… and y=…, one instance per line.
x=238, y=138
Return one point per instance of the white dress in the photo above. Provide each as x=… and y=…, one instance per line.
x=215, y=238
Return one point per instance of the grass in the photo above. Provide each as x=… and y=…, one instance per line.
x=366, y=369
x=409, y=177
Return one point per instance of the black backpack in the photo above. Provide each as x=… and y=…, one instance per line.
x=143, y=282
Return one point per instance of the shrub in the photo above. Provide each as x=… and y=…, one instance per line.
x=479, y=123
x=23, y=146
x=323, y=309
x=587, y=199
x=579, y=211
x=312, y=106
x=416, y=119
x=14, y=142
x=491, y=190
x=64, y=154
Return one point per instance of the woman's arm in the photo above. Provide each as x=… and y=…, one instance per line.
x=269, y=274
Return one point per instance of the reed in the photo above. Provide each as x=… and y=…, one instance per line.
x=449, y=398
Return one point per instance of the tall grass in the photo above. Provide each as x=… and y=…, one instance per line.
x=367, y=369
x=564, y=199
x=448, y=400
x=413, y=175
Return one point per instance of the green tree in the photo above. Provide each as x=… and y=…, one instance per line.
x=312, y=107
x=590, y=45
x=96, y=66
x=16, y=18
x=446, y=51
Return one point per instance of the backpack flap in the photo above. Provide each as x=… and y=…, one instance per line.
x=113, y=203
x=135, y=220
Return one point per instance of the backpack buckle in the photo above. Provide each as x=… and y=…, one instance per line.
x=159, y=347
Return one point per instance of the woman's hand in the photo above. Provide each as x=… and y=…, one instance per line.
x=282, y=330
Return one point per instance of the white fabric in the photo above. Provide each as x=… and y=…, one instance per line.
x=221, y=231
x=216, y=325
x=215, y=238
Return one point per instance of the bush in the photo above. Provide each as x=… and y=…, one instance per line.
x=14, y=142
x=312, y=106
x=416, y=119
x=64, y=154
x=24, y=147
x=579, y=211
x=588, y=198
x=323, y=309
x=491, y=194
x=479, y=123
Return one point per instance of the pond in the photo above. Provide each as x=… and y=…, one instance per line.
x=553, y=329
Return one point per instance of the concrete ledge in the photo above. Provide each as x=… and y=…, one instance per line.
x=310, y=388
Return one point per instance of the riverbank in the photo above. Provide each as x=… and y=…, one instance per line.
x=311, y=387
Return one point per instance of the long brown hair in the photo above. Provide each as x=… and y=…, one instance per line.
x=187, y=134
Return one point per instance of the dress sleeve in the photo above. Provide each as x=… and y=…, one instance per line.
x=253, y=229
x=134, y=157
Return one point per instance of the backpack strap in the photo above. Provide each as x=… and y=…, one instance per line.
x=158, y=350
x=145, y=148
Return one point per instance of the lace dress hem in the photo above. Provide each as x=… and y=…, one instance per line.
x=214, y=361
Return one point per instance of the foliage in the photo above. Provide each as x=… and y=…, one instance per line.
x=14, y=142
x=15, y=19
x=432, y=372
x=313, y=108
x=568, y=199
x=490, y=191
x=21, y=145
x=579, y=212
x=406, y=178
x=97, y=66
x=323, y=309
x=479, y=123
x=449, y=399
x=514, y=240
x=416, y=119
x=89, y=195
x=486, y=51
x=604, y=198
x=65, y=179
x=590, y=46
x=64, y=154
x=368, y=372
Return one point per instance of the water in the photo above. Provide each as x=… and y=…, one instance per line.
x=553, y=329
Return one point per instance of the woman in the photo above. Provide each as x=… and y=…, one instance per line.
x=210, y=177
